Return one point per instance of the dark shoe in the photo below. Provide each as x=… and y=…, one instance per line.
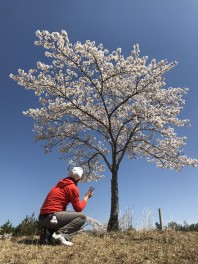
x=45, y=236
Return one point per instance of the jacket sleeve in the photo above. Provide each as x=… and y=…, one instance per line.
x=75, y=200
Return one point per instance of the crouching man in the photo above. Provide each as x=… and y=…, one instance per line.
x=57, y=222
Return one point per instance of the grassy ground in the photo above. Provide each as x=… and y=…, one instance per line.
x=129, y=247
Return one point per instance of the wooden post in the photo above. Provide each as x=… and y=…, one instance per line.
x=160, y=219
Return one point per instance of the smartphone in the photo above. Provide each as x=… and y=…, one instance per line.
x=91, y=189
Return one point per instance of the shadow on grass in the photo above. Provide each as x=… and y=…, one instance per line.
x=32, y=241
x=27, y=241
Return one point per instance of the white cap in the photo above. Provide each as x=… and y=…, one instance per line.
x=76, y=173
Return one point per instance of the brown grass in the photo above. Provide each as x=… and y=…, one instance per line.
x=129, y=247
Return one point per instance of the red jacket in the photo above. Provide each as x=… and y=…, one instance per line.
x=63, y=193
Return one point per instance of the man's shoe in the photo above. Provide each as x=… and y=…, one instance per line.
x=45, y=236
x=58, y=238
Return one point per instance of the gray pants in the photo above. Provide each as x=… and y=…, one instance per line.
x=67, y=222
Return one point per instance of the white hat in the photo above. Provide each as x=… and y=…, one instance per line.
x=76, y=173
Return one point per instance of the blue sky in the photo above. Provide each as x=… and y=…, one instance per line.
x=164, y=30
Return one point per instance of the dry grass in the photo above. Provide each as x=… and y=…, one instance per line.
x=129, y=247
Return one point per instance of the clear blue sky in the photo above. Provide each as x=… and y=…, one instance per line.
x=165, y=30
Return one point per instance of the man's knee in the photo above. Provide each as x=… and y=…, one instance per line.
x=83, y=217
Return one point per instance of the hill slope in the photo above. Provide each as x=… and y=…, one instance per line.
x=123, y=248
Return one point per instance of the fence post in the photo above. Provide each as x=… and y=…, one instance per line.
x=160, y=219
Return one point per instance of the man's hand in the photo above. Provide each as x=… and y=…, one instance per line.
x=89, y=194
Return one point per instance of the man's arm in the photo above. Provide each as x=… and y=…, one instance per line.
x=75, y=199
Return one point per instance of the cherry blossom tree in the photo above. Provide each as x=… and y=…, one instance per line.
x=97, y=107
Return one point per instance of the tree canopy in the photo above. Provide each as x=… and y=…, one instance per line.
x=93, y=100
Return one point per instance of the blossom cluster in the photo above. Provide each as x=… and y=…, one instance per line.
x=98, y=104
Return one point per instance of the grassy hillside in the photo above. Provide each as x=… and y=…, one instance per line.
x=126, y=247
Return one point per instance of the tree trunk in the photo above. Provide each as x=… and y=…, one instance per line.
x=113, y=224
